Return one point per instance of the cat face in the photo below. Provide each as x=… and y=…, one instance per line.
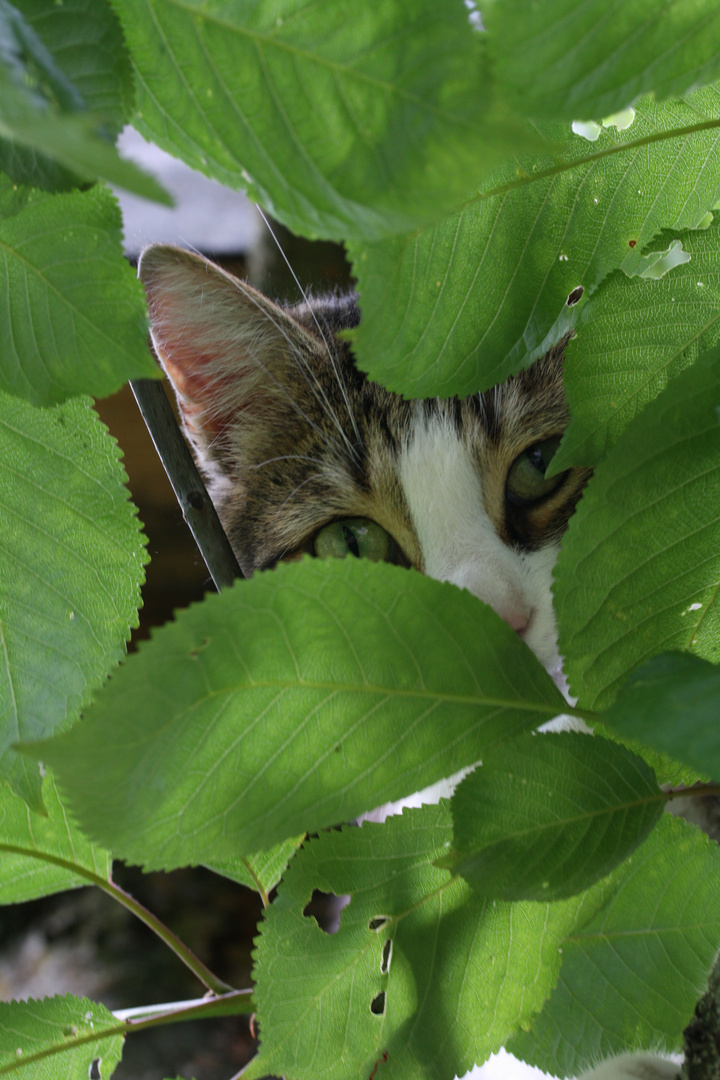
x=304, y=454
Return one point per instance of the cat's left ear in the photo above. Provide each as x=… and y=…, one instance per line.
x=230, y=353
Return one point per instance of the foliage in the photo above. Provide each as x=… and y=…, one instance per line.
x=482, y=229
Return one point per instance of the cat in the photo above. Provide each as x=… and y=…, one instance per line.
x=303, y=453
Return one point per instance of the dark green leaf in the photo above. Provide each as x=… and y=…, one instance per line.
x=76, y=319
x=293, y=701
x=545, y=816
x=73, y=559
x=580, y=60
x=260, y=872
x=639, y=570
x=672, y=703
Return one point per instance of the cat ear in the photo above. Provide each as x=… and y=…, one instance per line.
x=229, y=352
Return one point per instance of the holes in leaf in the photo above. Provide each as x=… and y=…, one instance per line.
x=378, y=922
x=575, y=295
x=94, y=1070
x=386, y=957
x=326, y=909
x=377, y=1005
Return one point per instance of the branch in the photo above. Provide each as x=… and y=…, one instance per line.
x=198, y=510
x=702, y=1035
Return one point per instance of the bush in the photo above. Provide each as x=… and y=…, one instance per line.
x=484, y=223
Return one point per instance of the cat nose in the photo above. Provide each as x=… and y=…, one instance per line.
x=517, y=618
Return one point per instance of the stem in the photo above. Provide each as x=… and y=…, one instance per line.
x=181, y=950
x=598, y=155
x=188, y=957
x=239, y=1001
x=198, y=510
x=702, y=1035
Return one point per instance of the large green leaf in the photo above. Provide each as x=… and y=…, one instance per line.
x=545, y=816
x=632, y=973
x=48, y=134
x=639, y=571
x=44, y=853
x=65, y=1025
x=578, y=60
x=343, y=119
x=422, y=977
x=72, y=556
x=672, y=703
x=632, y=338
x=290, y=702
x=484, y=291
x=74, y=313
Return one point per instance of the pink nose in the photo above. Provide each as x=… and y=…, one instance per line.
x=516, y=618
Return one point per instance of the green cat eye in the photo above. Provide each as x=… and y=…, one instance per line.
x=360, y=537
x=526, y=481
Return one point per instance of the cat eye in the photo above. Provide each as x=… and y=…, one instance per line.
x=360, y=537
x=526, y=480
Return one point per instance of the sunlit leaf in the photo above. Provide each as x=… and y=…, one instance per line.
x=32, y=1027
x=294, y=701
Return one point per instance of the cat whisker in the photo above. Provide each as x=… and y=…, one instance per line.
x=331, y=356
x=314, y=476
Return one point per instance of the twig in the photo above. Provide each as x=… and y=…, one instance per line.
x=186, y=481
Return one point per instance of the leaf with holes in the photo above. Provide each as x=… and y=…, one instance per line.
x=639, y=570
x=478, y=295
x=672, y=703
x=44, y=853
x=294, y=701
x=341, y=121
x=633, y=337
x=545, y=816
x=565, y=59
x=632, y=972
x=77, y=321
x=59, y=1030
x=422, y=975
x=73, y=558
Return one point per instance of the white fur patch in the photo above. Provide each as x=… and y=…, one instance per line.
x=459, y=543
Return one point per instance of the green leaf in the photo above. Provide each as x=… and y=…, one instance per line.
x=60, y=1031
x=43, y=854
x=342, y=119
x=75, y=314
x=483, y=292
x=294, y=701
x=672, y=703
x=422, y=976
x=633, y=337
x=76, y=56
x=545, y=816
x=639, y=570
x=73, y=559
x=260, y=872
x=43, y=113
x=631, y=975
x=591, y=59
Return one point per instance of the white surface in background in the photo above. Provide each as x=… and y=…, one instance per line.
x=206, y=215
x=503, y=1066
